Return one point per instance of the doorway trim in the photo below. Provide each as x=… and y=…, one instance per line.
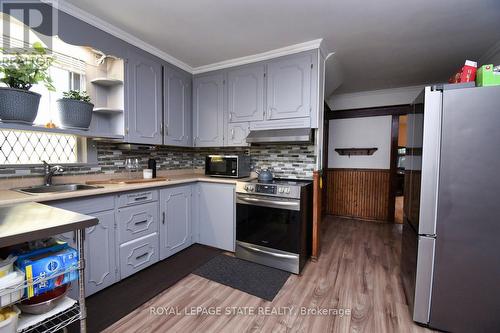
x=395, y=111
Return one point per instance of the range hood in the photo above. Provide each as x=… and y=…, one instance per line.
x=293, y=135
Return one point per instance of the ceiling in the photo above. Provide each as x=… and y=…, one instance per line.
x=378, y=44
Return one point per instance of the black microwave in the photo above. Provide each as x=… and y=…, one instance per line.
x=234, y=166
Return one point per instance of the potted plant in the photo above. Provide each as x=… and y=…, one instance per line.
x=20, y=71
x=75, y=110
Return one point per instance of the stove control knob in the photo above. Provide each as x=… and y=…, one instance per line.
x=280, y=189
x=287, y=190
x=249, y=188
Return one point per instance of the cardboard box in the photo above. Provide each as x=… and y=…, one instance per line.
x=46, y=264
x=487, y=77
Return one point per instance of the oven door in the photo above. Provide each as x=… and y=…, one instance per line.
x=223, y=166
x=269, y=222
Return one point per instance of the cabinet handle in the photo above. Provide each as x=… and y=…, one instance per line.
x=232, y=133
x=141, y=222
x=140, y=198
x=230, y=116
x=141, y=256
x=163, y=218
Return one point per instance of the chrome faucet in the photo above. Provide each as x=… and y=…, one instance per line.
x=49, y=171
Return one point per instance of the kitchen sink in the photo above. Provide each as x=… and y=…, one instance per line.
x=56, y=188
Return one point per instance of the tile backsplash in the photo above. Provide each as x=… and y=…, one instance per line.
x=286, y=161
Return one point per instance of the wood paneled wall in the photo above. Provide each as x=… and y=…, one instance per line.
x=359, y=193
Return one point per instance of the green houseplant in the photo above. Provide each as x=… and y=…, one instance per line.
x=20, y=71
x=75, y=110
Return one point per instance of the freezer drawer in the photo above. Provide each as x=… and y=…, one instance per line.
x=138, y=254
x=417, y=263
x=137, y=221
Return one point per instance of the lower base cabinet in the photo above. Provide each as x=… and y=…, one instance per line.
x=138, y=254
x=216, y=215
x=176, y=217
x=136, y=235
x=100, y=242
x=100, y=247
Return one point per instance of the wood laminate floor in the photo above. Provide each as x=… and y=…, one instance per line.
x=358, y=270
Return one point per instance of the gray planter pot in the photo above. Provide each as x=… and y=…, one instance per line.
x=18, y=106
x=74, y=114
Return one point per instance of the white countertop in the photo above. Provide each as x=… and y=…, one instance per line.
x=10, y=197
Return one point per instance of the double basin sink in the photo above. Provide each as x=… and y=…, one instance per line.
x=56, y=188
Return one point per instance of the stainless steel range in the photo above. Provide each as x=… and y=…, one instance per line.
x=273, y=222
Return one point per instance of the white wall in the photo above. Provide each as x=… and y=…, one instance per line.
x=360, y=133
x=374, y=98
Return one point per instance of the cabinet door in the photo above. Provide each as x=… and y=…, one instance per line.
x=216, y=207
x=175, y=230
x=144, y=108
x=246, y=93
x=289, y=87
x=177, y=108
x=208, y=110
x=100, y=247
x=237, y=134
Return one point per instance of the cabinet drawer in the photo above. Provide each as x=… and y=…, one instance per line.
x=86, y=205
x=137, y=221
x=138, y=254
x=134, y=198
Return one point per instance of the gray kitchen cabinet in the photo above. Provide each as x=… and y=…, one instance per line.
x=100, y=269
x=246, y=93
x=136, y=221
x=216, y=215
x=138, y=254
x=144, y=99
x=237, y=134
x=177, y=115
x=100, y=241
x=176, y=212
x=208, y=110
x=289, y=87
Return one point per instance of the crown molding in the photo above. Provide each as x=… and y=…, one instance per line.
x=296, y=48
x=117, y=32
x=95, y=21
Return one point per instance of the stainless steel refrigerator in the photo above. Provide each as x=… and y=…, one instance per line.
x=450, y=259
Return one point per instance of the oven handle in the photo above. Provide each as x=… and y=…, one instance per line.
x=278, y=255
x=290, y=205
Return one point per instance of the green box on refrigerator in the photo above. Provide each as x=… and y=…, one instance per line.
x=487, y=77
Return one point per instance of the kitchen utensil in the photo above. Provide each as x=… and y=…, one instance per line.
x=44, y=302
x=265, y=175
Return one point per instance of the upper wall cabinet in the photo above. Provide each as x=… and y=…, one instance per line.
x=246, y=93
x=177, y=108
x=208, y=110
x=144, y=96
x=289, y=87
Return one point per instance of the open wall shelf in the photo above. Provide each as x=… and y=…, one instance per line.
x=356, y=151
x=106, y=82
